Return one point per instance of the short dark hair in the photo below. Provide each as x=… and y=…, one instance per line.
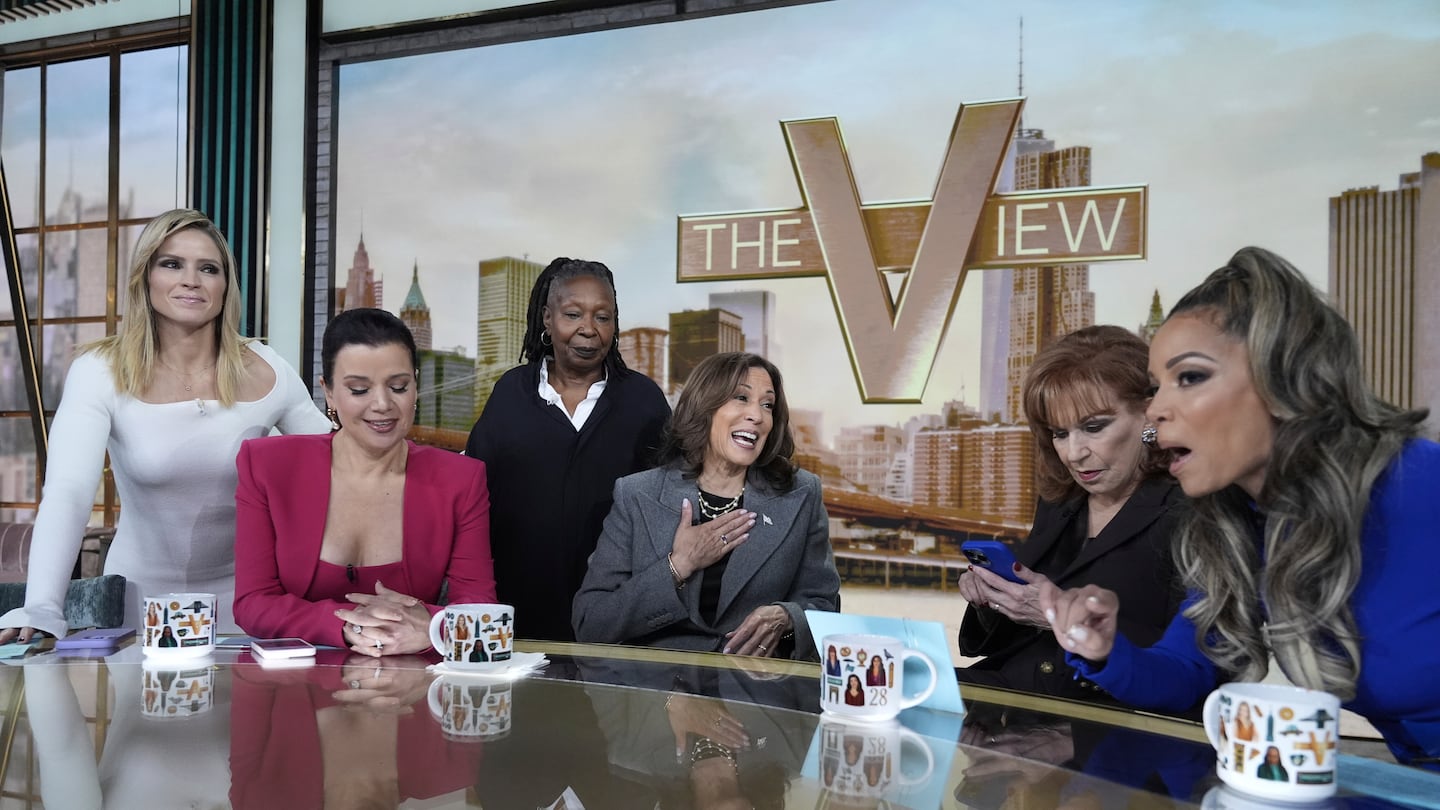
x=364, y=327
x=710, y=386
x=563, y=269
x=1078, y=370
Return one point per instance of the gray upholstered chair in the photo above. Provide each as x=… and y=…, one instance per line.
x=92, y=601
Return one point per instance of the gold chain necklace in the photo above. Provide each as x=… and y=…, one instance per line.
x=185, y=374
x=713, y=512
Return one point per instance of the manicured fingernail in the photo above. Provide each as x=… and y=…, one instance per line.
x=1016, y=566
x=1077, y=632
x=1049, y=614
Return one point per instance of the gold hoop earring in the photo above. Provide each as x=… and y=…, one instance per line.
x=334, y=419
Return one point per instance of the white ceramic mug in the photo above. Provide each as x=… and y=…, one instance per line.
x=871, y=760
x=471, y=709
x=174, y=692
x=1274, y=741
x=863, y=677
x=178, y=625
x=1224, y=797
x=474, y=636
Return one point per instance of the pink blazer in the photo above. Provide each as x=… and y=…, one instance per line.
x=281, y=503
x=275, y=740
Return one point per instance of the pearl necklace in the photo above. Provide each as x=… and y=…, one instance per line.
x=716, y=511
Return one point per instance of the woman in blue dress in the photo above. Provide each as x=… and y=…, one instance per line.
x=1313, y=533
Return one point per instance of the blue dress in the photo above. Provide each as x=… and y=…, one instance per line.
x=1397, y=611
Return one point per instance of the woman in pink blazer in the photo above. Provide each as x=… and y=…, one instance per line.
x=348, y=539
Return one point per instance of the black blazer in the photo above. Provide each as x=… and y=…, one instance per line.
x=550, y=486
x=1132, y=556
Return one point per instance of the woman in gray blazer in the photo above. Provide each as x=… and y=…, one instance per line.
x=726, y=544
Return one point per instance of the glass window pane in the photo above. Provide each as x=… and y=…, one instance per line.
x=75, y=273
x=124, y=253
x=27, y=244
x=77, y=137
x=20, y=145
x=153, y=96
x=6, y=310
x=28, y=247
x=12, y=380
x=60, y=340
x=17, y=467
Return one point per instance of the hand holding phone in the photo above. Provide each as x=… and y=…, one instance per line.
x=994, y=556
x=276, y=648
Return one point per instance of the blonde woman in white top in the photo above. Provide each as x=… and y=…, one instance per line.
x=171, y=396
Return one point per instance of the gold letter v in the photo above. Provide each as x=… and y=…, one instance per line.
x=893, y=347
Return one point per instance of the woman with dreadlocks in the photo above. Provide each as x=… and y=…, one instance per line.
x=555, y=434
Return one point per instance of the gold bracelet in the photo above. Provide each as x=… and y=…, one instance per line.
x=706, y=748
x=675, y=575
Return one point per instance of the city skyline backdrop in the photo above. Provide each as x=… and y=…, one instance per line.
x=591, y=145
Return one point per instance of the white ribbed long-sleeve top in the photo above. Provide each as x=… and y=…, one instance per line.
x=174, y=468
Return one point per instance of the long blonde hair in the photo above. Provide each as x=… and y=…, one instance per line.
x=133, y=351
x=1333, y=439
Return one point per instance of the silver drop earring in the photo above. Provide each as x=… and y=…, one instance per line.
x=1149, y=436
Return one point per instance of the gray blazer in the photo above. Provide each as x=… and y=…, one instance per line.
x=628, y=596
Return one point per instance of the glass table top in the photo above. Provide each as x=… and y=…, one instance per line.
x=597, y=727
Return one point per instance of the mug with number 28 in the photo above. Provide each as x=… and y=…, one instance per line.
x=863, y=676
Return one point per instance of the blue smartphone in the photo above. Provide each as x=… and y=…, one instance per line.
x=992, y=555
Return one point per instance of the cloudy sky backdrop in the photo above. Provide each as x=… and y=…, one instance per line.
x=1243, y=117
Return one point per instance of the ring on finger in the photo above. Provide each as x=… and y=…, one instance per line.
x=994, y=605
x=763, y=648
x=357, y=629
x=355, y=684
x=724, y=539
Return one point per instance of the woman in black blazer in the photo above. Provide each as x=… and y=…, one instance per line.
x=1106, y=516
x=555, y=435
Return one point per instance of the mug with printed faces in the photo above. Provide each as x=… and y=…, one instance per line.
x=173, y=692
x=474, y=636
x=471, y=709
x=871, y=760
x=1273, y=741
x=178, y=625
x=863, y=677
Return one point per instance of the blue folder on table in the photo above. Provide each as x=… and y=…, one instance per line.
x=927, y=637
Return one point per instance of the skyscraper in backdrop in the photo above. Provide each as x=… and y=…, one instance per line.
x=504, y=296
x=1045, y=302
x=1385, y=280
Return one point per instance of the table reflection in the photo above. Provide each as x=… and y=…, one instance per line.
x=343, y=733
x=146, y=757
x=599, y=727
